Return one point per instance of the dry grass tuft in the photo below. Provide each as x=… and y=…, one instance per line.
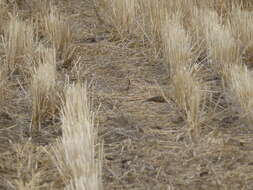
x=241, y=85
x=58, y=32
x=190, y=95
x=241, y=27
x=200, y=21
x=75, y=154
x=177, y=45
x=3, y=15
x=153, y=15
x=222, y=47
x=41, y=7
x=19, y=41
x=28, y=172
x=189, y=92
x=121, y=14
x=43, y=89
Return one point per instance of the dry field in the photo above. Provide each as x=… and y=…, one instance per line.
x=126, y=94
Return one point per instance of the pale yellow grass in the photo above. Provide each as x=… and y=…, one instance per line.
x=28, y=172
x=75, y=154
x=43, y=89
x=222, y=48
x=19, y=41
x=177, y=45
x=225, y=52
x=58, y=32
x=121, y=14
x=241, y=80
x=241, y=26
x=189, y=93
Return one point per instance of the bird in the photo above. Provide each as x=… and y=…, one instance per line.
x=156, y=99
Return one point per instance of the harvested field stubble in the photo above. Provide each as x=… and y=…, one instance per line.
x=170, y=83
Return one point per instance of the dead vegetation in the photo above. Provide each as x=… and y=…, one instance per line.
x=75, y=153
x=169, y=81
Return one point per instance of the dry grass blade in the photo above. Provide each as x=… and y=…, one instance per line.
x=43, y=88
x=75, y=154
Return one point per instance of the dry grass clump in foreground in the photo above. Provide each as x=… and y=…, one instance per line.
x=75, y=154
x=43, y=89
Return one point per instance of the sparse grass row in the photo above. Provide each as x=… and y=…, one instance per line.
x=141, y=18
x=145, y=18
x=222, y=27
x=76, y=151
x=21, y=38
x=189, y=93
x=23, y=50
x=226, y=55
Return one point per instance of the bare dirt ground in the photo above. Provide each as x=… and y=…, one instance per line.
x=146, y=145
